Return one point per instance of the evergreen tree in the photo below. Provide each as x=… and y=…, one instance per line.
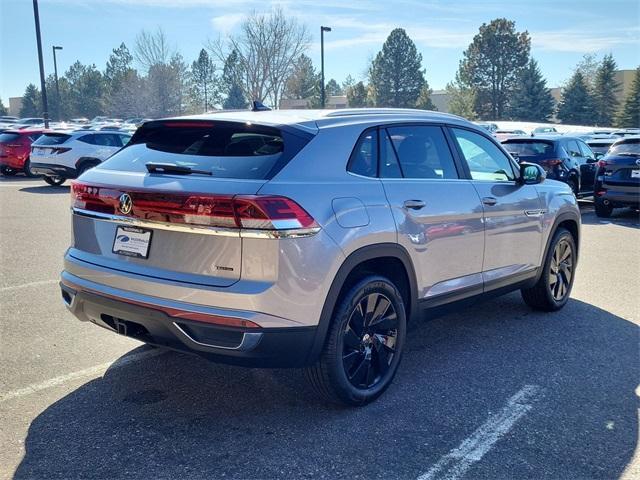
x=396, y=74
x=304, y=81
x=491, y=65
x=203, y=80
x=31, y=102
x=424, y=100
x=462, y=100
x=576, y=106
x=117, y=73
x=605, y=91
x=231, y=83
x=86, y=88
x=531, y=100
x=3, y=109
x=357, y=95
x=332, y=88
x=629, y=116
x=348, y=83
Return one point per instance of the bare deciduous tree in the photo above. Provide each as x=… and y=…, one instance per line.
x=267, y=48
x=152, y=48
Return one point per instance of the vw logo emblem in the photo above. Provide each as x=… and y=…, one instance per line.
x=638, y=162
x=126, y=204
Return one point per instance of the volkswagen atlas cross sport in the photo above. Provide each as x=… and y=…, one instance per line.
x=311, y=238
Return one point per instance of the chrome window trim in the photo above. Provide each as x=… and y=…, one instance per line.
x=197, y=229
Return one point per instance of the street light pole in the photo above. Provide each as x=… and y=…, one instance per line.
x=45, y=113
x=322, y=94
x=55, y=73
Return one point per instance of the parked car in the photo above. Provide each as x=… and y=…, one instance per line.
x=29, y=122
x=544, y=131
x=618, y=177
x=8, y=119
x=15, y=146
x=503, y=134
x=626, y=132
x=59, y=156
x=301, y=238
x=489, y=127
x=601, y=145
x=563, y=158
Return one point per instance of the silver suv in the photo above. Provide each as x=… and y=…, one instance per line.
x=311, y=238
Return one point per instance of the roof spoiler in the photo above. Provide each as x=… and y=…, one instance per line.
x=258, y=106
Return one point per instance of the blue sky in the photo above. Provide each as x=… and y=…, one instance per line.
x=562, y=31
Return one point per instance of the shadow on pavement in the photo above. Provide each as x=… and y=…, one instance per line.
x=625, y=217
x=46, y=189
x=177, y=416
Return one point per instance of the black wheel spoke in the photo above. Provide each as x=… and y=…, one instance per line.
x=382, y=355
x=561, y=270
x=385, y=324
x=359, y=374
x=351, y=339
x=357, y=320
x=350, y=359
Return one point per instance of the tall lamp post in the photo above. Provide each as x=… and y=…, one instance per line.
x=55, y=74
x=45, y=108
x=322, y=30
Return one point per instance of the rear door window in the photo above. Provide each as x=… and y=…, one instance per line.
x=572, y=149
x=90, y=139
x=364, y=158
x=422, y=152
x=226, y=149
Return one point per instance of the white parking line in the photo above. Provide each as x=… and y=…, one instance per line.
x=87, y=372
x=456, y=463
x=26, y=285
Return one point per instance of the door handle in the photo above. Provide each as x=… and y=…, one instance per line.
x=489, y=201
x=414, y=204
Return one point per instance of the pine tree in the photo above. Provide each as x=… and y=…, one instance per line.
x=531, y=99
x=396, y=73
x=348, y=83
x=491, y=65
x=357, y=95
x=576, y=106
x=202, y=80
x=424, y=100
x=3, y=109
x=332, y=88
x=117, y=74
x=304, y=81
x=605, y=91
x=231, y=84
x=462, y=99
x=31, y=102
x=629, y=116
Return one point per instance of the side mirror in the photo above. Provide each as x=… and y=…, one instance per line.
x=598, y=156
x=531, y=174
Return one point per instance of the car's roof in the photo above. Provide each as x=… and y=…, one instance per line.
x=629, y=139
x=315, y=119
x=602, y=141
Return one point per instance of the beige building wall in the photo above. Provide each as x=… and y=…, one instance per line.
x=15, y=104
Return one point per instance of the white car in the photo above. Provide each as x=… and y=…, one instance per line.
x=58, y=156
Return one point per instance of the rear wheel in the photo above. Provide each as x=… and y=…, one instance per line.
x=552, y=290
x=8, y=171
x=364, y=344
x=54, y=181
x=573, y=183
x=27, y=169
x=603, y=210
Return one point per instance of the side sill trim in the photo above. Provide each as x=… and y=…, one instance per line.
x=203, y=230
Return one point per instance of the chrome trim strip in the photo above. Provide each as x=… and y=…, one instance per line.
x=199, y=229
x=249, y=341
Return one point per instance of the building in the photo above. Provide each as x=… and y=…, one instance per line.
x=333, y=102
x=15, y=105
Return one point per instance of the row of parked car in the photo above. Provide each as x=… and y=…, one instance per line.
x=65, y=150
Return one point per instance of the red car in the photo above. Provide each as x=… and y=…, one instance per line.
x=15, y=146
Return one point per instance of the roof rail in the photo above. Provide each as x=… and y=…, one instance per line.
x=379, y=111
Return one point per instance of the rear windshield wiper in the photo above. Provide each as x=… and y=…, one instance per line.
x=154, y=167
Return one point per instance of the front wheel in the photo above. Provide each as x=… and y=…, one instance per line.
x=364, y=344
x=54, y=181
x=553, y=288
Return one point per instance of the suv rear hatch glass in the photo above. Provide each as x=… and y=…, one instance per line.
x=185, y=216
x=622, y=164
x=542, y=152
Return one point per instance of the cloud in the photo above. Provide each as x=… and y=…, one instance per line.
x=224, y=24
x=583, y=41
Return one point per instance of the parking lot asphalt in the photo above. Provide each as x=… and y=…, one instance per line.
x=492, y=391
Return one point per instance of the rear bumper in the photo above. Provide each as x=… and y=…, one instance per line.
x=53, y=170
x=173, y=326
x=12, y=161
x=619, y=198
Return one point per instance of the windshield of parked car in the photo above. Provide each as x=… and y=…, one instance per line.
x=626, y=148
x=226, y=149
x=530, y=150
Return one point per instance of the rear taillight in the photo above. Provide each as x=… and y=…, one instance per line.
x=602, y=163
x=254, y=212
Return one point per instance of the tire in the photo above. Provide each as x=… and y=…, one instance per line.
x=8, y=171
x=362, y=353
x=573, y=183
x=54, y=181
x=553, y=288
x=27, y=169
x=602, y=210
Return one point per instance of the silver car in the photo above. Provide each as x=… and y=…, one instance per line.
x=311, y=238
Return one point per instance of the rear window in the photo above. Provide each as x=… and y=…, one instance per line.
x=52, y=139
x=8, y=137
x=226, y=149
x=626, y=148
x=530, y=149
